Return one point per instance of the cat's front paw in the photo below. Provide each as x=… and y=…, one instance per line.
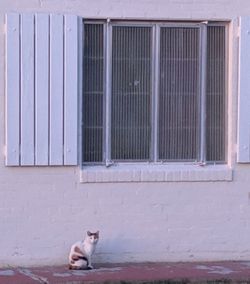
x=90, y=267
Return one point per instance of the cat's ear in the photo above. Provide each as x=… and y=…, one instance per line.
x=97, y=233
x=89, y=233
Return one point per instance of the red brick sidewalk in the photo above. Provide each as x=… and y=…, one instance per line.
x=212, y=272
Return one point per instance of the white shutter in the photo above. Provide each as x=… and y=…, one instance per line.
x=56, y=89
x=27, y=83
x=243, y=151
x=71, y=71
x=12, y=89
x=42, y=90
x=42, y=86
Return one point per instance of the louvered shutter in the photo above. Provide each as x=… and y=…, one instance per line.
x=42, y=88
x=243, y=151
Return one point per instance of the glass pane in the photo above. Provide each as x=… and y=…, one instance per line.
x=216, y=94
x=93, y=93
x=131, y=93
x=178, y=121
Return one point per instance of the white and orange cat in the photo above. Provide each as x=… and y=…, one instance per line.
x=82, y=251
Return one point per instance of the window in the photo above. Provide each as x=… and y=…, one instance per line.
x=154, y=92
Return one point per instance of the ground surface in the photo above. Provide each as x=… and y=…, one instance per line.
x=212, y=272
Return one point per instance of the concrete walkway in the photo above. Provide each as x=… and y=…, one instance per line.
x=211, y=272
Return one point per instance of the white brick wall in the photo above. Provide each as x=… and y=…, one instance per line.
x=147, y=173
x=44, y=210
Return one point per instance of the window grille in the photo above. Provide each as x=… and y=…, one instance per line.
x=154, y=92
x=131, y=93
x=216, y=94
x=93, y=93
x=179, y=94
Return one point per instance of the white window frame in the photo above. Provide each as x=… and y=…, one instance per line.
x=162, y=172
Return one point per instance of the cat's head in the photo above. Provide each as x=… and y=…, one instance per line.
x=92, y=237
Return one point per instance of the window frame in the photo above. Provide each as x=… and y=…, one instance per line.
x=155, y=44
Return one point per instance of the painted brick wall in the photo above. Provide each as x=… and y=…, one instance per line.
x=44, y=210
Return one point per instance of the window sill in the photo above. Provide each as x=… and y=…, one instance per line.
x=158, y=173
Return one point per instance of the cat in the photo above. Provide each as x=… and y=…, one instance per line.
x=82, y=251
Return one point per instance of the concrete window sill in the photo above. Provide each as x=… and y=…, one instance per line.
x=155, y=173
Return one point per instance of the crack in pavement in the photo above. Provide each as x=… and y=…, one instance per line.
x=31, y=275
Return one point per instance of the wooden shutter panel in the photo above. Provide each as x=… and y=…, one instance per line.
x=42, y=90
x=243, y=151
x=12, y=90
x=42, y=86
